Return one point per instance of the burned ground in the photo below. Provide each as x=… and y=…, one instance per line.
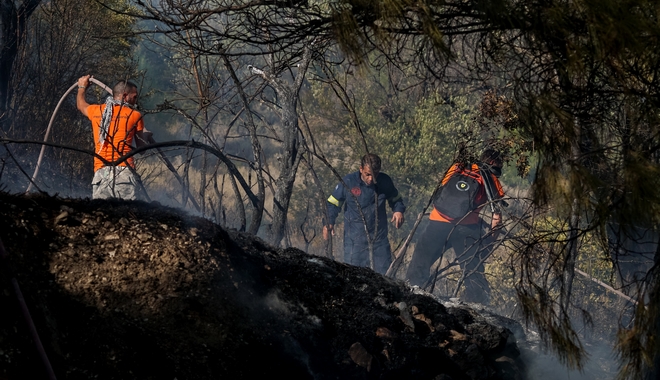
x=130, y=290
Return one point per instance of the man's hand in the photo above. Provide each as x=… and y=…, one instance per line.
x=142, y=138
x=149, y=136
x=81, y=103
x=83, y=81
x=397, y=219
x=496, y=221
x=328, y=231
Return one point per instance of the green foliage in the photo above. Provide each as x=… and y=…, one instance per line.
x=638, y=343
x=501, y=277
x=359, y=24
x=538, y=254
x=416, y=134
x=421, y=146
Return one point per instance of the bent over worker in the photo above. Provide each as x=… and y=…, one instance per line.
x=362, y=195
x=455, y=223
x=116, y=125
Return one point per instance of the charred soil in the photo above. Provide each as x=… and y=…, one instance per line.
x=130, y=290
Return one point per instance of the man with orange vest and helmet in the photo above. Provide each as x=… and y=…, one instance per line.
x=116, y=125
x=455, y=223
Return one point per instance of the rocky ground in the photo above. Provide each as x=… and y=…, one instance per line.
x=130, y=290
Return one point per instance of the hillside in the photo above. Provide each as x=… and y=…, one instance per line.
x=130, y=290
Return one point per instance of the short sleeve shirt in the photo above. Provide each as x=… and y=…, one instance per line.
x=119, y=141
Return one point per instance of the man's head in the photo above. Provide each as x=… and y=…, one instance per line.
x=493, y=159
x=369, y=168
x=126, y=92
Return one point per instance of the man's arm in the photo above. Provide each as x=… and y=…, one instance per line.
x=335, y=201
x=143, y=137
x=81, y=102
x=394, y=199
x=496, y=220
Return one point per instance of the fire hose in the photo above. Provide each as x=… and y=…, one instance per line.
x=50, y=124
x=161, y=155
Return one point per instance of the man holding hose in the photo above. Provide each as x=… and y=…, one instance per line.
x=115, y=126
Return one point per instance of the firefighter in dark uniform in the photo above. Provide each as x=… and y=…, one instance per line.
x=368, y=188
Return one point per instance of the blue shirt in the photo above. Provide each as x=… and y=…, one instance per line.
x=371, y=200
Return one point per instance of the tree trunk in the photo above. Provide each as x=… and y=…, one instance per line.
x=291, y=155
x=652, y=371
x=258, y=210
x=289, y=162
x=12, y=32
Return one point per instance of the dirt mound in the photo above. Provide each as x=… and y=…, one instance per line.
x=129, y=290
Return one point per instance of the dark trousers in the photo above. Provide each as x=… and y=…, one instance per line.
x=467, y=242
x=356, y=252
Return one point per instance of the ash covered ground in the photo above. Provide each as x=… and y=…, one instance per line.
x=130, y=290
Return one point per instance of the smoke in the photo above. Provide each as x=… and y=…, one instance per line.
x=541, y=364
x=17, y=165
x=291, y=345
x=601, y=363
x=274, y=303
